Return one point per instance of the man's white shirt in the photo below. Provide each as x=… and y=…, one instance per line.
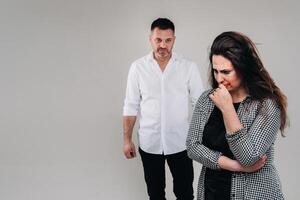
x=162, y=101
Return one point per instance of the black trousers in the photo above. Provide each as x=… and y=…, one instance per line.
x=181, y=168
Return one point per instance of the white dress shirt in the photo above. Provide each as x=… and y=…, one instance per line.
x=162, y=100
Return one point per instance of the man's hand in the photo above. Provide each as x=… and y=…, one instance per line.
x=129, y=150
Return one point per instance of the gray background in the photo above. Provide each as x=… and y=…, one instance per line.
x=63, y=71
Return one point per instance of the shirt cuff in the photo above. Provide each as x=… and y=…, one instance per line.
x=130, y=112
x=218, y=166
x=235, y=135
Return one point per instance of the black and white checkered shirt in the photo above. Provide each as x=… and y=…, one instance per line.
x=261, y=122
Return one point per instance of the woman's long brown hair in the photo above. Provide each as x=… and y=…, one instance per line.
x=243, y=54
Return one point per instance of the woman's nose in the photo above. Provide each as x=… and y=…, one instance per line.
x=219, y=78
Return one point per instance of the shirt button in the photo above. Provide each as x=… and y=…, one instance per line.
x=233, y=195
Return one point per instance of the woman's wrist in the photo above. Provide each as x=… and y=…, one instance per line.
x=228, y=108
x=229, y=164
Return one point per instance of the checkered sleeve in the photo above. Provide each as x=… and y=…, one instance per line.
x=195, y=149
x=250, y=144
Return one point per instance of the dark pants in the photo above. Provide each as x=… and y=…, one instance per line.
x=181, y=168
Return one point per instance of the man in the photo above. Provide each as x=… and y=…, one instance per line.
x=160, y=88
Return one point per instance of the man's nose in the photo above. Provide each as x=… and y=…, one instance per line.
x=163, y=44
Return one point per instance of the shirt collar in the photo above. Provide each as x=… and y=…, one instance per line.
x=174, y=57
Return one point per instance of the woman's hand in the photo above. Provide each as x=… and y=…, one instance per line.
x=255, y=167
x=223, y=100
x=221, y=97
x=234, y=165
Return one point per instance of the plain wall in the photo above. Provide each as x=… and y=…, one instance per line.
x=63, y=71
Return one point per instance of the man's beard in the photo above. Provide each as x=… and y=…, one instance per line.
x=163, y=52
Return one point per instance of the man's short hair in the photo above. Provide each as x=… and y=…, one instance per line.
x=163, y=24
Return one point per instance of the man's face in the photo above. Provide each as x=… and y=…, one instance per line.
x=162, y=42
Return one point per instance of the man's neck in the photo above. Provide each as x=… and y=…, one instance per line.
x=162, y=62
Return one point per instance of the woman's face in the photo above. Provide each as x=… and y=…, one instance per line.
x=224, y=73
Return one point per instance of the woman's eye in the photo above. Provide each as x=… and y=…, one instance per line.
x=226, y=72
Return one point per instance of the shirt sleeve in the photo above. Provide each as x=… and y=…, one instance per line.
x=195, y=149
x=195, y=84
x=250, y=145
x=133, y=96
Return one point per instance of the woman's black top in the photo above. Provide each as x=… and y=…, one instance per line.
x=217, y=183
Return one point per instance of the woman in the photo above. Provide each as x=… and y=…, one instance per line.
x=234, y=125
